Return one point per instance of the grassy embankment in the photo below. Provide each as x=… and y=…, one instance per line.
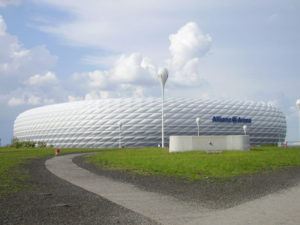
x=12, y=174
x=197, y=165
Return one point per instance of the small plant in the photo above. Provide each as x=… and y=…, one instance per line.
x=41, y=144
x=16, y=143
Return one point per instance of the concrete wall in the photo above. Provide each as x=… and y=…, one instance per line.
x=209, y=143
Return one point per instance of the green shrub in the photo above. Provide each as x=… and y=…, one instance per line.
x=16, y=143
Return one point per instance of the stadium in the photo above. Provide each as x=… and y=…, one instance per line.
x=96, y=123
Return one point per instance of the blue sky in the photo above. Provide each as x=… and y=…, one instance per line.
x=56, y=51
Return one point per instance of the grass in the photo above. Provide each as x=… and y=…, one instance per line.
x=154, y=161
x=197, y=165
x=12, y=174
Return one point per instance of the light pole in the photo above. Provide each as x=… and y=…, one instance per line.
x=298, y=106
x=198, y=124
x=245, y=129
x=120, y=133
x=163, y=76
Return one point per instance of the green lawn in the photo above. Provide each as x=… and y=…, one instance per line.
x=12, y=175
x=197, y=165
x=190, y=165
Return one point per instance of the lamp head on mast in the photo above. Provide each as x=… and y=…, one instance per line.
x=163, y=75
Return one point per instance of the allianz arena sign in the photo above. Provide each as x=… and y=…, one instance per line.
x=234, y=119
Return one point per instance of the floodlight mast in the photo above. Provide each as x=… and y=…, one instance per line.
x=163, y=76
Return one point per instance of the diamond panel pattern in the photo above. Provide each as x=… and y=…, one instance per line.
x=94, y=123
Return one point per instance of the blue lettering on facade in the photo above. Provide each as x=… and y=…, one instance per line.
x=234, y=119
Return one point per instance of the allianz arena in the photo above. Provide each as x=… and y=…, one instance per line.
x=95, y=123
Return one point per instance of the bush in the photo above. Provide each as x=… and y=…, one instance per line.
x=41, y=144
x=16, y=143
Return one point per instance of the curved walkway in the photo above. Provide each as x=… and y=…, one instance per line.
x=273, y=209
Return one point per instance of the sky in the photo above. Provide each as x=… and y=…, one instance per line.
x=54, y=51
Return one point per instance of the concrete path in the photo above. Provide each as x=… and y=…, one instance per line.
x=274, y=209
x=281, y=208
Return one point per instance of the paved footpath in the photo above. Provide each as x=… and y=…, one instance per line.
x=282, y=208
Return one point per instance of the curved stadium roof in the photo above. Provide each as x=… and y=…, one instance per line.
x=95, y=123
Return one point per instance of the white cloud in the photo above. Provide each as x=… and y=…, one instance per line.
x=93, y=79
x=34, y=100
x=187, y=44
x=14, y=101
x=104, y=61
x=136, y=75
x=126, y=25
x=17, y=61
x=29, y=99
x=129, y=75
x=97, y=95
x=72, y=98
x=2, y=26
x=119, y=26
x=134, y=68
x=24, y=73
x=41, y=80
x=4, y=3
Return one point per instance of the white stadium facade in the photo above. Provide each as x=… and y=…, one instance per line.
x=95, y=123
